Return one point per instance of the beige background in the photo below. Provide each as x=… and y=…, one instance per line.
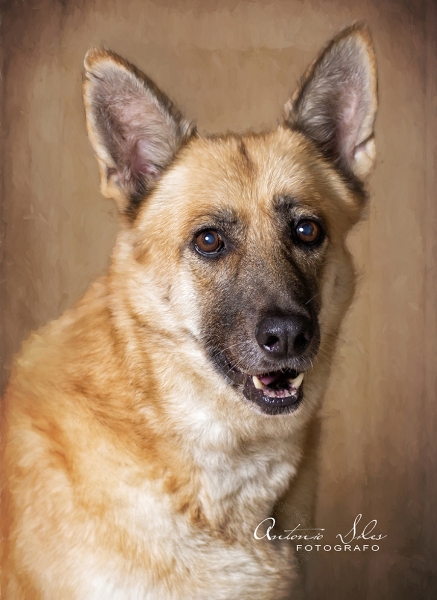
x=231, y=65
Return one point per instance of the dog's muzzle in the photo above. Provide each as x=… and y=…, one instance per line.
x=285, y=348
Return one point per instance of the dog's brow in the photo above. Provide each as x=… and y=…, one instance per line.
x=223, y=218
x=285, y=202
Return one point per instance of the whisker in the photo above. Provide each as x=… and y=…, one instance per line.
x=308, y=301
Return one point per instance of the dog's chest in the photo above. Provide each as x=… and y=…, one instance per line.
x=178, y=554
x=205, y=569
x=184, y=561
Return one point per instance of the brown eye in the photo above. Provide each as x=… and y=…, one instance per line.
x=208, y=242
x=308, y=231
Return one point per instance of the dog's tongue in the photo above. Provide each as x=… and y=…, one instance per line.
x=267, y=379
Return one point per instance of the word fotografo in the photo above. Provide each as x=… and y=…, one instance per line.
x=347, y=540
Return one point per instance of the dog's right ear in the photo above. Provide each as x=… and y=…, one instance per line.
x=134, y=128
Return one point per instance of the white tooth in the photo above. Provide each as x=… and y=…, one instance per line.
x=257, y=383
x=296, y=383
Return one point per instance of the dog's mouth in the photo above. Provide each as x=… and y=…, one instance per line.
x=275, y=392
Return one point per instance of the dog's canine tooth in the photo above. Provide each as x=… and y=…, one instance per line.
x=257, y=383
x=296, y=383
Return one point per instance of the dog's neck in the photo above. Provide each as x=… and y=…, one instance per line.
x=238, y=491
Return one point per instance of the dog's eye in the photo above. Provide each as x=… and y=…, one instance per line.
x=308, y=232
x=208, y=242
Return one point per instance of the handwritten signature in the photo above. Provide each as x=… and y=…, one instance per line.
x=264, y=530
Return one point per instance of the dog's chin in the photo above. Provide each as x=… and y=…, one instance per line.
x=273, y=393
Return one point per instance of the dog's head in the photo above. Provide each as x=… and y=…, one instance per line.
x=237, y=242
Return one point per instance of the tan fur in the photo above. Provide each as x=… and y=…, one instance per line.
x=131, y=468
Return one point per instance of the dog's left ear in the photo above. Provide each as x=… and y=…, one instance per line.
x=336, y=103
x=134, y=128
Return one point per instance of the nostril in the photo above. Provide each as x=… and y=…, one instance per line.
x=271, y=342
x=301, y=342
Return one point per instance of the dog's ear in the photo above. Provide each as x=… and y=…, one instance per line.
x=336, y=102
x=134, y=128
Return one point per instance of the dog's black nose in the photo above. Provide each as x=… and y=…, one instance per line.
x=284, y=337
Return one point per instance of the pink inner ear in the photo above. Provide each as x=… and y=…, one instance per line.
x=141, y=164
x=144, y=138
x=349, y=124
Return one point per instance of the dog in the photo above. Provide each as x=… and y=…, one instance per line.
x=149, y=430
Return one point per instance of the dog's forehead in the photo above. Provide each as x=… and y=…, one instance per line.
x=254, y=168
